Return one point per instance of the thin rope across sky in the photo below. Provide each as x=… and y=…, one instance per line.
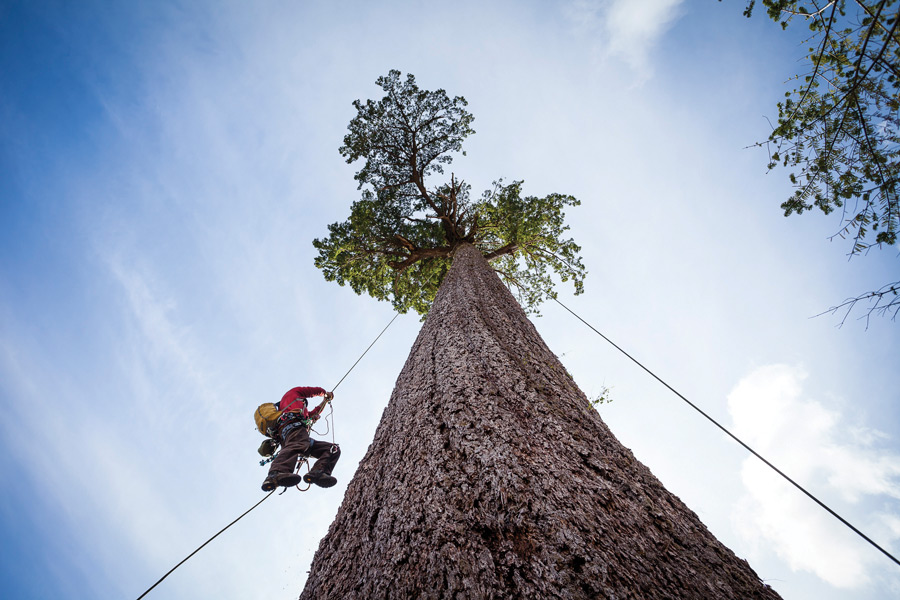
x=737, y=439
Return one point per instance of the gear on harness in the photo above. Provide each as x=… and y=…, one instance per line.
x=266, y=415
x=268, y=447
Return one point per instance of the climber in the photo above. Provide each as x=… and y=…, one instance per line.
x=291, y=431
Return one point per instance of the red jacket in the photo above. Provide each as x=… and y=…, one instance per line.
x=295, y=400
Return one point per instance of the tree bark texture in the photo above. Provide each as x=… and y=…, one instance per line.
x=491, y=477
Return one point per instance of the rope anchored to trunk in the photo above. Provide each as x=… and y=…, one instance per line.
x=737, y=439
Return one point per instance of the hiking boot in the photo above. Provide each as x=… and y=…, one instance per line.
x=320, y=479
x=289, y=479
x=280, y=479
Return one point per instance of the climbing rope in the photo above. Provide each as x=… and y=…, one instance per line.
x=364, y=353
x=204, y=544
x=299, y=464
x=735, y=438
x=329, y=418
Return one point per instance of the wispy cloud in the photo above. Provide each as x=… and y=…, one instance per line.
x=152, y=312
x=815, y=446
x=627, y=29
x=85, y=476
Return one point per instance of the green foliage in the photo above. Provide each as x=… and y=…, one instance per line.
x=398, y=242
x=533, y=227
x=368, y=250
x=604, y=396
x=838, y=131
x=405, y=136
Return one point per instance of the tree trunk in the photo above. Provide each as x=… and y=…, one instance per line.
x=491, y=476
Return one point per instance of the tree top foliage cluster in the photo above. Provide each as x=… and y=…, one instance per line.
x=838, y=130
x=398, y=242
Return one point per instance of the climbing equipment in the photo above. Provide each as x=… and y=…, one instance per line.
x=268, y=447
x=364, y=353
x=266, y=416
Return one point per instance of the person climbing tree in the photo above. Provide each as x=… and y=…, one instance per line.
x=290, y=429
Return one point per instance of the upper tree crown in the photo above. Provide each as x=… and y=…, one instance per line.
x=397, y=243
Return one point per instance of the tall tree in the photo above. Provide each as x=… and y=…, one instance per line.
x=839, y=129
x=491, y=476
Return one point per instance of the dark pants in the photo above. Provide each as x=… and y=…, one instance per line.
x=297, y=443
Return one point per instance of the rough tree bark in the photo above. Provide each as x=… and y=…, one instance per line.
x=491, y=476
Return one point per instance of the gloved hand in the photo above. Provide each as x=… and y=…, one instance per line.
x=268, y=447
x=329, y=395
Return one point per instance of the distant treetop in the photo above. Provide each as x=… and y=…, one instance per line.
x=398, y=242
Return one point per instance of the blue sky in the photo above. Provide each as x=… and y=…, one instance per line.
x=165, y=167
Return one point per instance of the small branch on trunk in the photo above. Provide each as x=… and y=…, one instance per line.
x=507, y=249
x=405, y=242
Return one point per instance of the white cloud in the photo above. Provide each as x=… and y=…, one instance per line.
x=627, y=29
x=814, y=446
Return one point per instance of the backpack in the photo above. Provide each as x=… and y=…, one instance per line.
x=265, y=417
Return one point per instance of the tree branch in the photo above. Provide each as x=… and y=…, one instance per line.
x=507, y=249
x=419, y=254
x=892, y=289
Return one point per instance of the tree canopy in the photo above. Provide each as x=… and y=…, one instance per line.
x=398, y=242
x=838, y=130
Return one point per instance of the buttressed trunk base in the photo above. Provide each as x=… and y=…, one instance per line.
x=491, y=476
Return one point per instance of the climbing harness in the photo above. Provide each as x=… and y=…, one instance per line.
x=735, y=438
x=303, y=460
